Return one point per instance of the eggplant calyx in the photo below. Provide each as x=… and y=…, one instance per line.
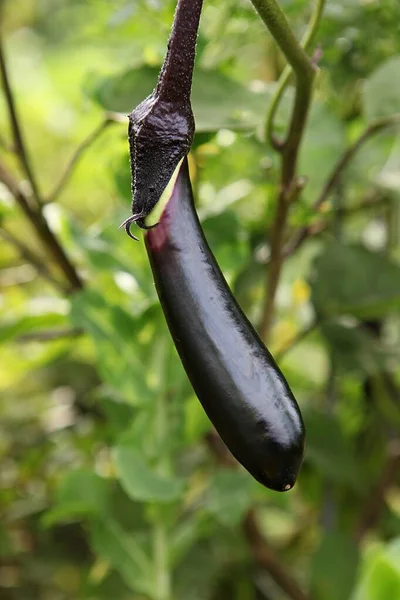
x=160, y=136
x=154, y=216
x=161, y=128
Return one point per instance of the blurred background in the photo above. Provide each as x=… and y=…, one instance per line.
x=112, y=482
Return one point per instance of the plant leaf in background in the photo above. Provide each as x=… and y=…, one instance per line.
x=351, y=280
x=241, y=109
x=323, y=142
x=141, y=481
x=124, y=553
x=380, y=575
x=354, y=349
x=113, y=332
x=337, y=553
x=109, y=483
x=330, y=452
x=381, y=93
x=28, y=324
x=229, y=497
x=81, y=494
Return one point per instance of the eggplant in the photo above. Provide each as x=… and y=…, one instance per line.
x=241, y=388
x=236, y=379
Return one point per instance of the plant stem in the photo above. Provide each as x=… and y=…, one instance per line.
x=31, y=203
x=337, y=173
x=32, y=258
x=328, y=509
x=275, y=264
x=299, y=337
x=69, y=169
x=19, y=144
x=175, y=81
x=5, y=144
x=266, y=558
x=160, y=539
x=261, y=550
x=305, y=43
x=163, y=580
x=42, y=229
x=50, y=335
x=304, y=70
x=373, y=200
x=276, y=22
x=375, y=504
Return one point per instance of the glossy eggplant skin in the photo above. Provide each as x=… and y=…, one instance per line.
x=241, y=388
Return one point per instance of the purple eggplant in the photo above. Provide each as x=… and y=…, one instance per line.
x=234, y=376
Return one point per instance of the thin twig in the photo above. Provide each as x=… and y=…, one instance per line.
x=276, y=22
x=79, y=152
x=305, y=71
x=42, y=228
x=305, y=43
x=375, y=504
x=259, y=546
x=50, y=335
x=275, y=264
x=336, y=175
x=19, y=144
x=5, y=144
x=265, y=557
x=32, y=258
x=340, y=167
x=373, y=200
x=299, y=337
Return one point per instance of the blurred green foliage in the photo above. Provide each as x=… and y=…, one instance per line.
x=109, y=485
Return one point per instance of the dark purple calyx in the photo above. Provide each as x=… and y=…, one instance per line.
x=161, y=128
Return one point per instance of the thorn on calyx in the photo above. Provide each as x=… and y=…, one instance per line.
x=128, y=223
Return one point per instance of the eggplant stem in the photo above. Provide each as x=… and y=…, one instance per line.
x=175, y=80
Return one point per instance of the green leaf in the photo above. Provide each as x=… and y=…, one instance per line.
x=218, y=101
x=124, y=553
x=354, y=349
x=115, y=338
x=141, y=481
x=354, y=281
x=334, y=567
x=226, y=240
x=324, y=141
x=183, y=537
x=26, y=324
x=81, y=493
x=196, y=575
x=229, y=497
x=196, y=421
x=6, y=543
x=380, y=577
x=393, y=553
x=118, y=414
x=384, y=582
x=382, y=90
x=329, y=451
x=105, y=253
